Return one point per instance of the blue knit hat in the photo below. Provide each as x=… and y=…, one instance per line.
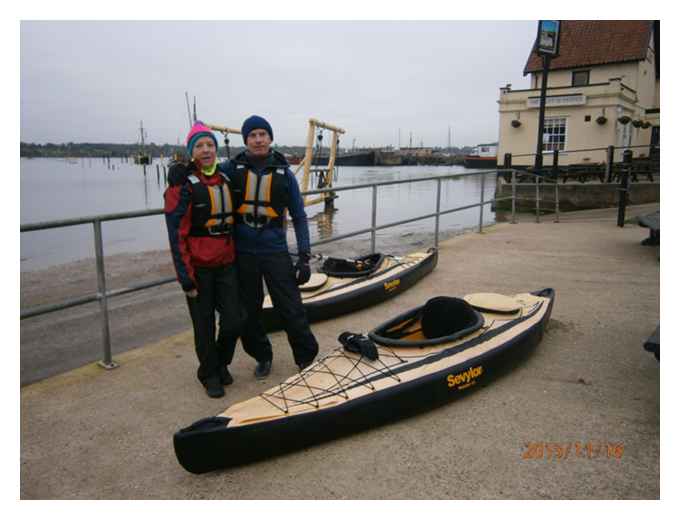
x=197, y=131
x=253, y=123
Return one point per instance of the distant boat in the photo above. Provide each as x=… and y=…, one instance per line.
x=361, y=158
x=483, y=156
x=293, y=159
x=142, y=158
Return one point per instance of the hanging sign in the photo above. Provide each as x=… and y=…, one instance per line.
x=548, y=40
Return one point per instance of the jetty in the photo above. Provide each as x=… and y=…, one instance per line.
x=89, y=433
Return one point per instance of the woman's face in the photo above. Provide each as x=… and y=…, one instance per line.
x=204, y=152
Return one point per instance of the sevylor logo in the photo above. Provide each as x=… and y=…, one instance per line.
x=391, y=286
x=465, y=379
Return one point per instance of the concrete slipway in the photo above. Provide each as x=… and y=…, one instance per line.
x=95, y=434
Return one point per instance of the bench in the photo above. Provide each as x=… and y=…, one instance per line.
x=653, y=222
x=653, y=344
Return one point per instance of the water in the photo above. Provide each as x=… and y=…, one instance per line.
x=56, y=189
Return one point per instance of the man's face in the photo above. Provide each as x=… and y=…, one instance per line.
x=204, y=152
x=258, y=143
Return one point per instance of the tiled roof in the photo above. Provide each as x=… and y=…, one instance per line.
x=596, y=42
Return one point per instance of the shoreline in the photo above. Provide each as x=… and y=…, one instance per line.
x=57, y=283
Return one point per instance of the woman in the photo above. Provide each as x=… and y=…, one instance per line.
x=199, y=217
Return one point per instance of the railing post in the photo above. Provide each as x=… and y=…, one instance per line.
x=107, y=362
x=507, y=163
x=373, y=217
x=436, y=219
x=623, y=187
x=481, y=204
x=538, y=204
x=514, y=195
x=610, y=162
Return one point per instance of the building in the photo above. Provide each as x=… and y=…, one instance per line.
x=603, y=89
x=416, y=151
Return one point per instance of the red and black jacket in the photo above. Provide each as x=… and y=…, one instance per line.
x=199, y=215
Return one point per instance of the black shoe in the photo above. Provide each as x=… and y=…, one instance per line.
x=262, y=369
x=225, y=376
x=213, y=387
x=304, y=365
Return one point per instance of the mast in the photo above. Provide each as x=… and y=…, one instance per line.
x=186, y=96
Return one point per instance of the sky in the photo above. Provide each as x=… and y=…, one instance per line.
x=384, y=82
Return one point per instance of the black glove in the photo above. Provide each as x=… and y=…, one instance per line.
x=178, y=173
x=359, y=344
x=302, y=270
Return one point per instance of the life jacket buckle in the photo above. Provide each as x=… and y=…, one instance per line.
x=219, y=229
x=256, y=222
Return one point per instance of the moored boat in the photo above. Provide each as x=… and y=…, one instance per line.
x=420, y=359
x=345, y=286
x=475, y=161
x=483, y=156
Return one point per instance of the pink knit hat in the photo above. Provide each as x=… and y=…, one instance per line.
x=197, y=131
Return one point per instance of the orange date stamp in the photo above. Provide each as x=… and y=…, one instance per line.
x=573, y=450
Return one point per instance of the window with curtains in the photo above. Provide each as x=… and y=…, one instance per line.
x=555, y=134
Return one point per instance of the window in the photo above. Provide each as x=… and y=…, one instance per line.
x=554, y=134
x=580, y=78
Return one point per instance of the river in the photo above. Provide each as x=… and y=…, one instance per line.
x=56, y=189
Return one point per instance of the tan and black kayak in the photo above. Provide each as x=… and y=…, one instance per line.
x=420, y=359
x=344, y=286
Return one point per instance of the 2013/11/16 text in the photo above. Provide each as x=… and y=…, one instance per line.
x=562, y=451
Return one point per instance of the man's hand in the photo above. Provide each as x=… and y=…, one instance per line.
x=193, y=293
x=302, y=270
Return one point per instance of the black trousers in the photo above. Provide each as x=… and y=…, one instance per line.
x=217, y=291
x=277, y=271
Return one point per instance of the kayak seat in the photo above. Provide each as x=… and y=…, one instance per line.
x=442, y=319
x=444, y=316
x=352, y=268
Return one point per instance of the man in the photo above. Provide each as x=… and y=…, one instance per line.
x=267, y=190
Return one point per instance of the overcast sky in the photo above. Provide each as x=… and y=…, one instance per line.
x=94, y=81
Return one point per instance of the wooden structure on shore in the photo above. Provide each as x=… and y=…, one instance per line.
x=325, y=173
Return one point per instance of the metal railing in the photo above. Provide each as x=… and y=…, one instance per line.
x=102, y=295
x=608, y=170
